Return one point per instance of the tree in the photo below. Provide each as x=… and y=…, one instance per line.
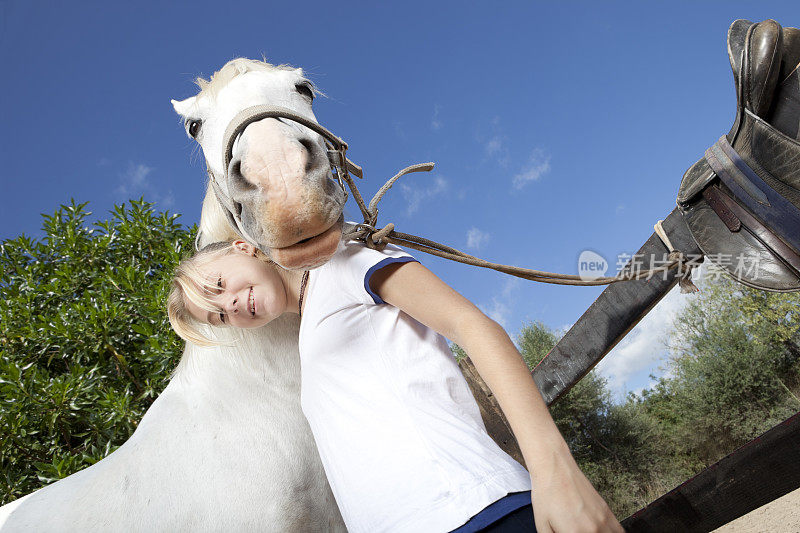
x=735, y=371
x=85, y=346
x=616, y=446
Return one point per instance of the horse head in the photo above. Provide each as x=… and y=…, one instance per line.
x=279, y=179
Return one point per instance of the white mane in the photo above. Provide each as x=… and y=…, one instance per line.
x=233, y=68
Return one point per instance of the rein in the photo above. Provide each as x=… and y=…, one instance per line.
x=373, y=237
x=368, y=233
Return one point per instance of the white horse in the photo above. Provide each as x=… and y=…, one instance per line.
x=225, y=447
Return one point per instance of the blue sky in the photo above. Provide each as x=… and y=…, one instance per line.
x=556, y=127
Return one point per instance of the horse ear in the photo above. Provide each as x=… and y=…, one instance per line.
x=182, y=107
x=244, y=247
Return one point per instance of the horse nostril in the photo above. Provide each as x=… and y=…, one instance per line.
x=237, y=178
x=309, y=146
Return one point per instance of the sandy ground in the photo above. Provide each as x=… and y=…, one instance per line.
x=781, y=515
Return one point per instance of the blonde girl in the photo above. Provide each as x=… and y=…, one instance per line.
x=399, y=433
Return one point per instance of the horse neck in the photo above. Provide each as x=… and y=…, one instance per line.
x=214, y=225
x=267, y=356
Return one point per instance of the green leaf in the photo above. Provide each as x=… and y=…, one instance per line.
x=84, y=344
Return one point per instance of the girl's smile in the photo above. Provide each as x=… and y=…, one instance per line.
x=244, y=290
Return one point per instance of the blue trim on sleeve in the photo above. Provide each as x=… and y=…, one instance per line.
x=495, y=511
x=374, y=268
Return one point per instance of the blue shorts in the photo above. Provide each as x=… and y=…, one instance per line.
x=510, y=514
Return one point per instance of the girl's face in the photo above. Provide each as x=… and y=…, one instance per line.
x=249, y=291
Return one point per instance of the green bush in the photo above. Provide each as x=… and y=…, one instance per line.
x=735, y=371
x=85, y=346
x=615, y=445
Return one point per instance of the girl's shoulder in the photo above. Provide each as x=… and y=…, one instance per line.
x=354, y=264
x=355, y=255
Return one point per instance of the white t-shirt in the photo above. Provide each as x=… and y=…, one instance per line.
x=399, y=433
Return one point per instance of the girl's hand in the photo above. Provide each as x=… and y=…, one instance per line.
x=564, y=501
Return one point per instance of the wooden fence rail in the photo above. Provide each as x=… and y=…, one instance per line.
x=762, y=470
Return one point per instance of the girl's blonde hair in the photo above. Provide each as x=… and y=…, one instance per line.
x=190, y=282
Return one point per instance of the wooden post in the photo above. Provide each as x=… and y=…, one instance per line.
x=496, y=424
x=615, y=312
x=762, y=470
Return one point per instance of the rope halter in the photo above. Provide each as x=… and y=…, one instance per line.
x=341, y=167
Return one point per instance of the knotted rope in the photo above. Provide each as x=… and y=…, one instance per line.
x=685, y=280
x=377, y=238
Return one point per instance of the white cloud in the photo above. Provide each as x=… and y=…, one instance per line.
x=646, y=345
x=565, y=327
x=494, y=145
x=500, y=308
x=496, y=148
x=399, y=130
x=135, y=182
x=138, y=175
x=538, y=166
x=436, y=123
x=510, y=286
x=498, y=311
x=477, y=239
x=416, y=195
x=166, y=201
x=649, y=385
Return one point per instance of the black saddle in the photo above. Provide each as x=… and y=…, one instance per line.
x=742, y=200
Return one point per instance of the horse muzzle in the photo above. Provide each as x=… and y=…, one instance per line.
x=291, y=224
x=310, y=252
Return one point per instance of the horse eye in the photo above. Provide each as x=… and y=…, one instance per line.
x=193, y=128
x=305, y=90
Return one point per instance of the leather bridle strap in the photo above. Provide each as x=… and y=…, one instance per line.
x=337, y=147
x=233, y=212
x=341, y=167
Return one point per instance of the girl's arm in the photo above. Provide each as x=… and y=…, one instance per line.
x=563, y=499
